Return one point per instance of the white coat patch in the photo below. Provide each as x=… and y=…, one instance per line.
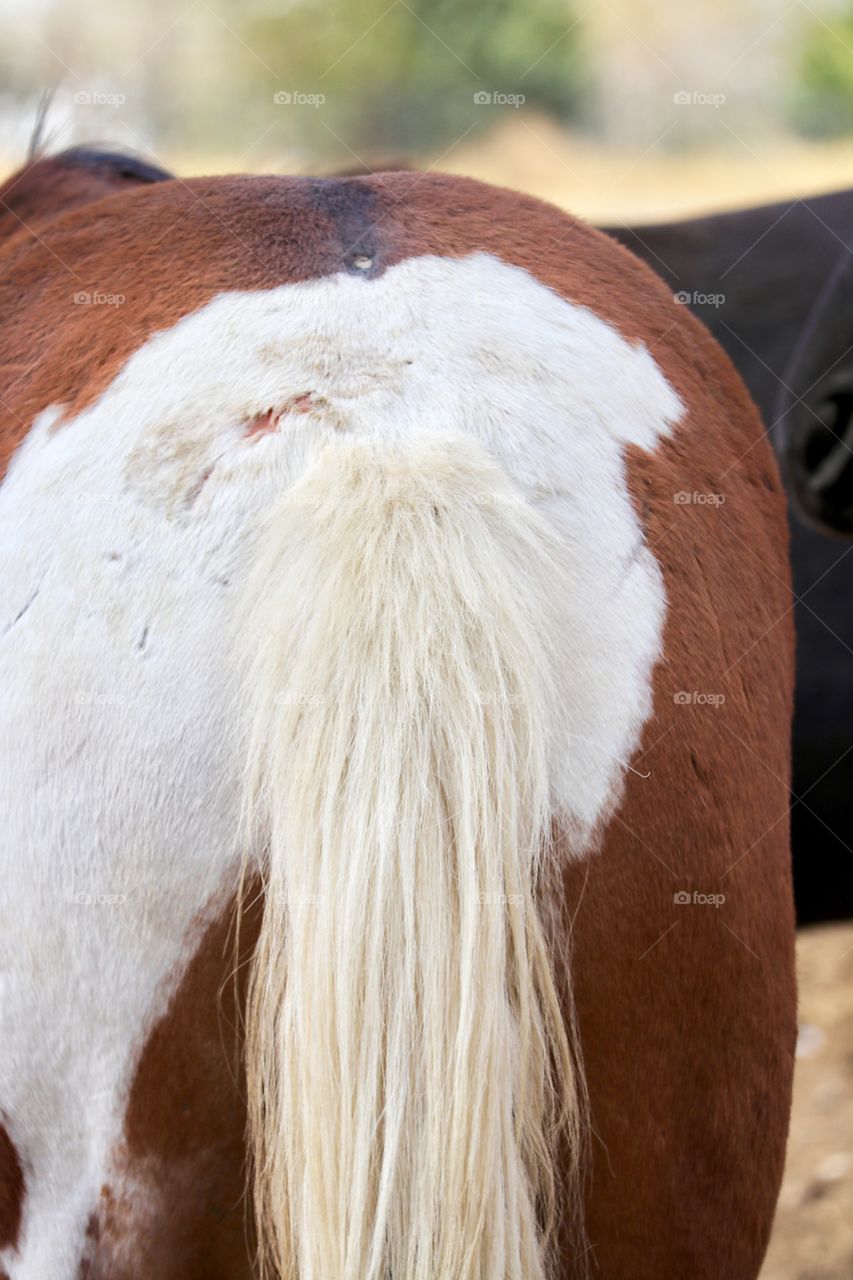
x=125, y=536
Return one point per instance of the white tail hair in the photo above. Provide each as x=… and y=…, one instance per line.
x=410, y=1067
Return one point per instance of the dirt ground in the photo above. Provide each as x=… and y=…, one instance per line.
x=813, y=1235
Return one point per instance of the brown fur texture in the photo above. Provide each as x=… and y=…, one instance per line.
x=12, y=1191
x=184, y=1132
x=686, y=1012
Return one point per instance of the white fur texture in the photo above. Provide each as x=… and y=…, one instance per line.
x=125, y=539
x=407, y=1057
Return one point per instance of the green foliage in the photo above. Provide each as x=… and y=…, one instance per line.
x=822, y=102
x=403, y=77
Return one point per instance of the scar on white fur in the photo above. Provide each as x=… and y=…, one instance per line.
x=263, y=423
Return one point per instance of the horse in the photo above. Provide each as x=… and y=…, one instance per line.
x=770, y=283
x=396, y=666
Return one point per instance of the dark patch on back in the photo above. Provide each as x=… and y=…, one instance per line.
x=353, y=210
x=12, y=1192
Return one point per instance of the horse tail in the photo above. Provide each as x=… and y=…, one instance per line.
x=411, y=1068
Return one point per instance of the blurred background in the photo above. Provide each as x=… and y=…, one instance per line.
x=620, y=110
x=616, y=108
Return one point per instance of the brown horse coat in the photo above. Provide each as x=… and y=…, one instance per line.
x=683, y=931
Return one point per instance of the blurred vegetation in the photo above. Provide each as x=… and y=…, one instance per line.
x=823, y=77
x=391, y=78
x=317, y=85
x=404, y=78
